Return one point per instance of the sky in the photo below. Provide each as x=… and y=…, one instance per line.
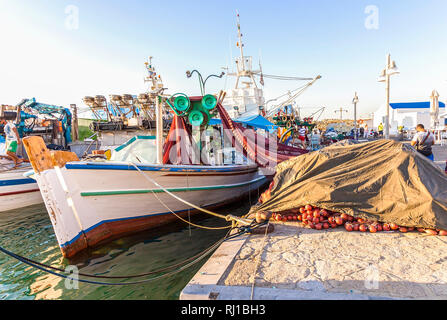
x=60, y=51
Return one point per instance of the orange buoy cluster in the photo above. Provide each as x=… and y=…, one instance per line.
x=319, y=219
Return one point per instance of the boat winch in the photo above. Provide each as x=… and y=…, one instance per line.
x=198, y=110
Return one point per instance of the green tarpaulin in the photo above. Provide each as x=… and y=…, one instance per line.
x=381, y=180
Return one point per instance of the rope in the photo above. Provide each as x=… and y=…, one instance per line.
x=114, y=277
x=259, y=262
x=195, y=259
x=181, y=200
x=283, y=77
x=105, y=283
x=189, y=210
x=178, y=198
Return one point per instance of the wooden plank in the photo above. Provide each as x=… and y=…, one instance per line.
x=43, y=159
x=60, y=158
x=38, y=154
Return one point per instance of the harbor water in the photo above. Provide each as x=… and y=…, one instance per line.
x=28, y=232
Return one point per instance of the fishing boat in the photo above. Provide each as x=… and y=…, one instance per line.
x=16, y=190
x=53, y=124
x=246, y=98
x=91, y=202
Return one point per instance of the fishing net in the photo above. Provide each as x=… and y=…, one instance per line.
x=178, y=147
x=265, y=151
x=381, y=180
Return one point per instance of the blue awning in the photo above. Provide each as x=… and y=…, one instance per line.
x=414, y=105
x=256, y=121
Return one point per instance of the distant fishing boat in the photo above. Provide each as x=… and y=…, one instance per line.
x=16, y=190
x=51, y=122
x=246, y=98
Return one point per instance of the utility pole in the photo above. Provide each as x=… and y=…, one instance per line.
x=159, y=128
x=75, y=125
x=354, y=102
x=341, y=110
x=389, y=70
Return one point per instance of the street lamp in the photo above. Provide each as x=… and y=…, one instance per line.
x=203, y=82
x=390, y=69
x=354, y=102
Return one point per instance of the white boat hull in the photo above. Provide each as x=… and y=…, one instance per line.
x=16, y=191
x=90, y=203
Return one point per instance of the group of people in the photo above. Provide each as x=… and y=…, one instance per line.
x=365, y=132
x=423, y=140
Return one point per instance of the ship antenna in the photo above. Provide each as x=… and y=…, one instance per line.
x=240, y=44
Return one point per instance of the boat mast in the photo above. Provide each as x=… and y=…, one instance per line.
x=159, y=126
x=156, y=92
x=241, y=68
x=241, y=45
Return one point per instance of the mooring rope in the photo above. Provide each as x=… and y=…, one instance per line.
x=105, y=283
x=177, y=197
x=226, y=217
x=167, y=207
x=191, y=261
x=259, y=262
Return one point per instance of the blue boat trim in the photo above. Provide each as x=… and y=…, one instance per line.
x=113, y=220
x=164, y=168
x=159, y=190
x=134, y=139
x=15, y=182
x=123, y=219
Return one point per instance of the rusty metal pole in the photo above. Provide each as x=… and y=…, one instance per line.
x=75, y=125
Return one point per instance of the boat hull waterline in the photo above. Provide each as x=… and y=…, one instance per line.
x=17, y=191
x=105, y=201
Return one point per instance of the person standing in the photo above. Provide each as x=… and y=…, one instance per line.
x=362, y=132
x=302, y=136
x=380, y=129
x=366, y=132
x=315, y=140
x=400, y=129
x=423, y=140
x=12, y=142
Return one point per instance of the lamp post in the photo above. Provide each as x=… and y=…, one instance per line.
x=341, y=110
x=354, y=102
x=389, y=70
x=203, y=82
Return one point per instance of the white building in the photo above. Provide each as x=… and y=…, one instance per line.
x=408, y=114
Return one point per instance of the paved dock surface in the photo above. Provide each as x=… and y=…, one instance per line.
x=294, y=262
x=298, y=263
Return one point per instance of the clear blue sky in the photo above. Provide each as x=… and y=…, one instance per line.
x=41, y=57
